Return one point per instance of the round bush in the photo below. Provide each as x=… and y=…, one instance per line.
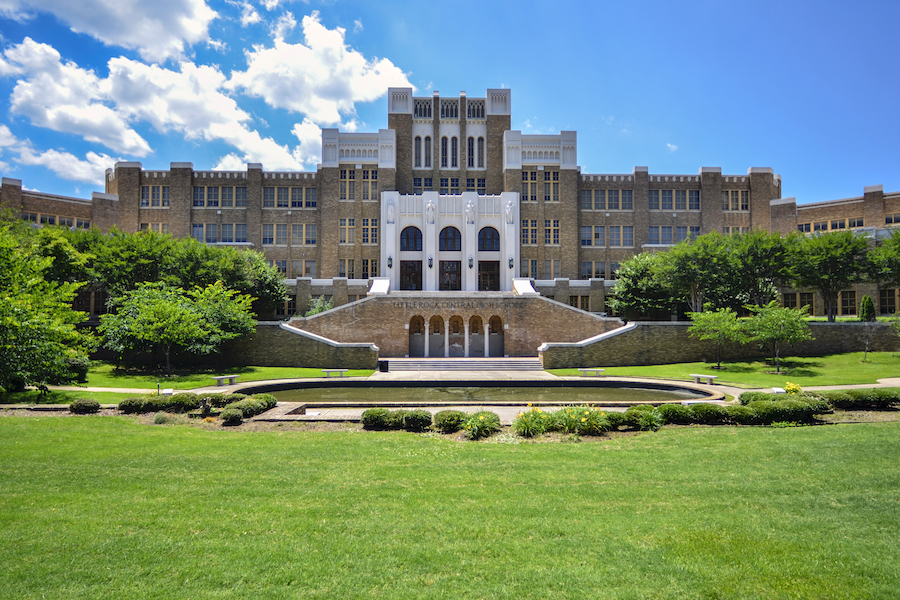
x=677, y=414
x=790, y=411
x=449, y=421
x=417, y=420
x=709, y=414
x=161, y=418
x=375, y=419
x=616, y=420
x=132, y=405
x=482, y=424
x=532, y=422
x=180, y=402
x=742, y=415
x=84, y=406
x=222, y=400
x=232, y=416
x=633, y=414
x=748, y=397
x=395, y=418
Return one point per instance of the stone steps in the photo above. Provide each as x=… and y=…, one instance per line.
x=464, y=364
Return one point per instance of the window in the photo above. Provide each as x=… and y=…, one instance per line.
x=303, y=234
x=789, y=300
x=587, y=235
x=621, y=235
x=450, y=240
x=551, y=232
x=806, y=299
x=369, y=268
x=454, y=185
x=848, y=303
x=347, y=231
x=529, y=186
x=346, y=268
x=162, y=228
x=145, y=195
x=303, y=268
x=454, y=153
x=820, y=226
x=212, y=233
x=444, y=151
x=627, y=200
x=281, y=265
x=893, y=219
x=551, y=186
x=422, y=108
x=426, y=182
x=227, y=197
x=887, y=301
x=488, y=240
x=417, y=153
x=348, y=184
x=268, y=234
x=694, y=232
x=428, y=152
x=613, y=270
x=612, y=199
x=370, y=231
x=240, y=233
x=735, y=200
x=296, y=197
x=199, y=196
x=65, y=221
x=445, y=185
x=281, y=233
x=240, y=196
x=470, y=152
x=681, y=233
x=227, y=232
x=529, y=232
x=804, y=227
x=839, y=224
x=212, y=196
x=482, y=185
x=470, y=184
x=197, y=231
x=411, y=240
x=586, y=203
x=417, y=185
x=551, y=269
x=268, y=197
x=593, y=270
x=481, y=153
x=654, y=235
x=693, y=199
x=666, y=199
x=680, y=199
x=855, y=223
x=593, y=236
x=654, y=200
x=370, y=184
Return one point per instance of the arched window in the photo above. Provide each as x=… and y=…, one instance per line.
x=427, y=151
x=411, y=240
x=481, y=153
x=444, y=151
x=418, y=152
x=454, y=153
x=488, y=240
x=470, y=152
x=450, y=240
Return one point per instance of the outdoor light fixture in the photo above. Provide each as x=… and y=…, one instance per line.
x=471, y=262
x=510, y=262
x=430, y=262
x=390, y=262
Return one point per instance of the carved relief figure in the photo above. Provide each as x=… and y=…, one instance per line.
x=509, y=212
x=429, y=212
x=390, y=212
x=470, y=212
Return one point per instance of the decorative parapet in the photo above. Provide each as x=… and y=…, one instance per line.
x=357, y=148
x=219, y=174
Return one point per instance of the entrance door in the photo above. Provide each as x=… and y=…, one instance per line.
x=451, y=275
x=410, y=274
x=488, y=276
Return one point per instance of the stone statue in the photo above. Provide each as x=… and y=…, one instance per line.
x=390, y=212
x=429, y=212
x=509, y=212
x=470, y=212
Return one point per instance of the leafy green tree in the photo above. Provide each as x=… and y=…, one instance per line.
x=829, y=263
x=155, y=315
x=318, y=305
x=774, y=326
x=760, y=265
x=884, y=259
x=866, y=309
x=641, y=286
x=702, y=272
x=39, y=343
x=721, y=325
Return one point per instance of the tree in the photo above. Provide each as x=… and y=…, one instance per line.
x=39, y=343
x=884, y=260
x=829, y=263
x=155, y=315
x=641, y=287
x=318, y=305
x=866, y=309
x=702, y=272
x=761, y=264
x=775, y=326
x=720, y=325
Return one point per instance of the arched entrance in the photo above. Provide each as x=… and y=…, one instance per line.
x=476, y=336
x=457, y=338
x=436, y=337
x=417, y=336
x=495, y=344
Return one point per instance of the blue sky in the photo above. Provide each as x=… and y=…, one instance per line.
x=807, y=88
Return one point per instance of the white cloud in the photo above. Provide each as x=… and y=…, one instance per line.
x=70, y=167
x=357, y=26
x=217, y=45
x=66, y=98
x=322, y=78
x=249, y=15
x=157, y=30
x=672, y=147
x=284, y=25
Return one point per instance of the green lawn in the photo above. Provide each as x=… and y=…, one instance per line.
x=61, y=397
x=106, y=375
x=100, y=507
x=836, y=369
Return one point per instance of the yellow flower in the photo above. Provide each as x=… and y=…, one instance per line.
x=583, y=419
x=481, y=417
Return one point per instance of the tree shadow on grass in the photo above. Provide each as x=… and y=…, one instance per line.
x=794, y=367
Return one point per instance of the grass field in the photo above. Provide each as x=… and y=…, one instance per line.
x=61, y=397
x=102, y=507
x=835, y=369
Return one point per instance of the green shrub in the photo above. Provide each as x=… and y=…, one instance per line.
x=417, y=420
x=161, y=418
x=616, y=420
x=709, y=414
x=567, y=420
x=84, y=406
x=868, y=399
x=793, y=411
x=220, y=400
x=132, y=405
x=593, y=421
x=866, y=309
x=482, y=424
x=254, y=405
x=532, y=422
x=748, y=397
x=449, y=421
x=375, y=419
x=180, y=402
x=78, y=366
x=677, y=414
x=395, y=418
x=650, y=420
x=232, y=416
x=742, y=415
x=633, y=414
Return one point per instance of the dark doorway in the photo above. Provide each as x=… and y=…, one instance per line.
x=451, y=275
x=410, y=274
x=488, y=276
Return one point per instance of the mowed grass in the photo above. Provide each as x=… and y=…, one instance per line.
x=834, y=369
x=61, y=397
x=102, y=507
x=107, y=375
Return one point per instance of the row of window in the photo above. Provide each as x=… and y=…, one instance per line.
x=551, y=269
x=284, y=197
x=155, y=195
x=56, y=220
x=733, y=200
x=155, y=227
x=663, y=234
x=833, y=225
x=449, y=185
x=363, y=184
x=210, y=196
x=449, y=240
x=531, y=187
x=214, y=233
x=597, y=269
x=449, y=152
x=347, y=231
x=730, y=230
x=607, y=200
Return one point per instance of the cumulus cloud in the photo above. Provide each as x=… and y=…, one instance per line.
x=64, y=164
x=322, y=78
x=284, y=25
x=63, y=97
x=157, y=30
x=672, y=147
x=249, y=15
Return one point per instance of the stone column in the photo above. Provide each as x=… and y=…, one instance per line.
x=487, y=340
x=427, y=337
x=466, y=335
x=447, y=339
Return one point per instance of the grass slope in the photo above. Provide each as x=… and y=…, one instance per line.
x=102, y=507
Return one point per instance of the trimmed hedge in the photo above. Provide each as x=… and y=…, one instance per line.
x=791, y=411
x=449, y=421
x=253, y=405
x=748, y=397
x=177, y=403
x=742, y=415
x=862, y=399
x=84, y=406
x=375, y=419
x=417, y=420
x=677, y=414
x=232, y=416
x=709, y=414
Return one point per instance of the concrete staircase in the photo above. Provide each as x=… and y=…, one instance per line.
x=464, y=364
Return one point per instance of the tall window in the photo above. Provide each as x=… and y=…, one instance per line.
x=450, y=240
x=454, y=152
x=529, y=186
x=488, y=240
x=444, y=151
x=418, y=152
x=369, y=184
x=411, y=240
x=370, y=231
x=694, y=199
x=347, y=231
x=551, y=232
x=551, y=186
x=470, y=152
x=428, y=152
x=481, y=153
x=735, y=200
x=268, y=197
x=240, y=196
x=680, y=199
x=283, y=197
x=227, y=197
x=348, y=184
x=529, y=232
